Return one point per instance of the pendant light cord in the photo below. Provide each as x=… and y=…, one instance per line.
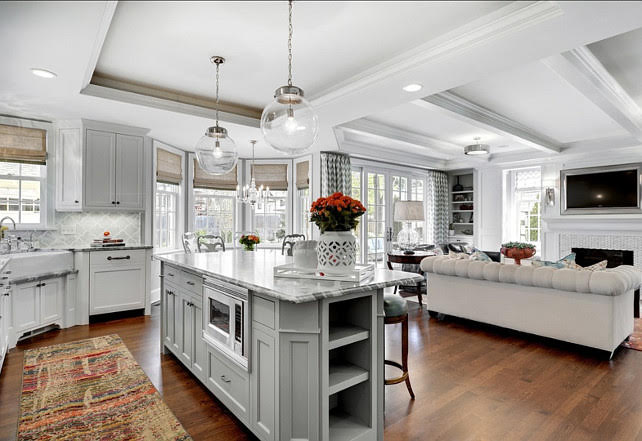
x=252, y=166
x=290, y=32
x=218, y=65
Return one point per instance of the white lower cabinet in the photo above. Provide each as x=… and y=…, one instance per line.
x=37, y=304
x=169, y=299
x=5, y=320
x=229, y=383
x=116, y=281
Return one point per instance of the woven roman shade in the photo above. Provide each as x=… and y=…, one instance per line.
x=303, y=175
x=168, y=167
x=274, y=176
x=23, y=144
x=202, y=179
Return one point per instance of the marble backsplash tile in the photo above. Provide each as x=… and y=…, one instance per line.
x=87, y=226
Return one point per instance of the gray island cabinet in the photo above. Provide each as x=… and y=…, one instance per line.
x=293, y=359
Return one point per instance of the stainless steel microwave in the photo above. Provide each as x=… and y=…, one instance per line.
x=226, y=319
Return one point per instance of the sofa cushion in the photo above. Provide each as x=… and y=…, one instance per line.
x=491, y=271
x=595, y=267
x=524, y=275
x=480, y=255
x=476, y=269
x=394, y=305
x=564, y=262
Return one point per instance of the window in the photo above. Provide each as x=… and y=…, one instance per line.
x=523, y=203
x=270, y=217
x=165, y=215
x=376, y=217
x=303, y=202
x=21, y=192
x=214, y=212
x=356, y=194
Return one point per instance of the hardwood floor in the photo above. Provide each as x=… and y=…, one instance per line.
x=473, y=382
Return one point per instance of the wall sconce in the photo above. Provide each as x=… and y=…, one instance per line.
x=550, y=196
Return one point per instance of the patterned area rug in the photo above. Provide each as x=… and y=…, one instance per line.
x=635, y=340
x=91, y=390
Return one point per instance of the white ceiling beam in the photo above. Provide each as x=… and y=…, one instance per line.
x=478, y=116
x=381, y=154
x=99, y=40
x=436, y=147
x=582, y=70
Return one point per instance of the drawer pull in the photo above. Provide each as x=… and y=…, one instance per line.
x=170, y=274
x=119, y=258
x=225, y=379
x=191, y=283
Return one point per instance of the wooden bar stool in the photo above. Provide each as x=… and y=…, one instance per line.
x=395, y=309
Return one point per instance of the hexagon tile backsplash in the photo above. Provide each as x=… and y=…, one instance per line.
x=89, y=226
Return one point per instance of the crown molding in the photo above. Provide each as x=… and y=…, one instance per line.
x=581, y=69
x=377, y=153
x=511, y=18
x=99, y=40
x=167, y=104
x=484, y=118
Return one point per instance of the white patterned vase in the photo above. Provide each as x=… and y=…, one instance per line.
x=336, y=252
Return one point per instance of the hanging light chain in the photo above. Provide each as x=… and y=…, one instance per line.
x=253, y=142
x=290, y=32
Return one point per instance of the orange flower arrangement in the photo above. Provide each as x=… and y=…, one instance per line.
x=337, y=212
x=249, y=241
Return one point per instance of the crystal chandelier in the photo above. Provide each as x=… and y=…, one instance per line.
x=249, y=194
x=216, y=151
x=289, y=123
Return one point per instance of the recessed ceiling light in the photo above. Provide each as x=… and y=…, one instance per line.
x=43, y=73
x=414, y=87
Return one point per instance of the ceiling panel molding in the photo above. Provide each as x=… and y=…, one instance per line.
x=169, y=105
x=382, y=154
x=514, y=17
x=581, y=69
x=99, y=40
x=481, y=117
x=437, y=147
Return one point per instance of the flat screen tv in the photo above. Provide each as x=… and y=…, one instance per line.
x=601, y=190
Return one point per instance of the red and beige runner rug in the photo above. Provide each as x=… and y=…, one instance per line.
x=91, y=390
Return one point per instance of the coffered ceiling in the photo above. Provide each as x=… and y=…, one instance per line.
x=529, y=78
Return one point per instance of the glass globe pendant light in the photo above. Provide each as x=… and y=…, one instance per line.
x=216, y=152
x=289, y=123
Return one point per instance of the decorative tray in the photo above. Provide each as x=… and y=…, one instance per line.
x=289, y=270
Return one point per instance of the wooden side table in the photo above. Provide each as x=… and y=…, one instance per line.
x=400, y=257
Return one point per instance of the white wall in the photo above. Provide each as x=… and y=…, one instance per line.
x=491, y=216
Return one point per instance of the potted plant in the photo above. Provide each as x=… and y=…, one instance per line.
x=336, y=216
x=249, y=241
x=451, y=229
x=518, y=251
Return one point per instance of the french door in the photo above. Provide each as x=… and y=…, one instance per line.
x=378, y=189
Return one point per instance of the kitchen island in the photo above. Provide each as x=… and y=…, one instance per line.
x=291, y=358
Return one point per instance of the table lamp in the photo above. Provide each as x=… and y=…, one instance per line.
x=406, y=212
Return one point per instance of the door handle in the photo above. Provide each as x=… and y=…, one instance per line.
x=119, y=258
x=225, y=379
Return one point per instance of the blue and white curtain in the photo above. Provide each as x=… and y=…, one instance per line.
x=336, y=173
x=437, y=205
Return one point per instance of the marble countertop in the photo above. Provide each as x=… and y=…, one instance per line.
x=41, y=276
x=254, y=270
x=126, y=247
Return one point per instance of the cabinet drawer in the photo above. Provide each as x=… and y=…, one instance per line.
x=192, y=282
x=117, y=257
x=172, y=275
x=263, y=311
x=229, y=384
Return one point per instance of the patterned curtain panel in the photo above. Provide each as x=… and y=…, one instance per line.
x=437, y=221
x=336, y=173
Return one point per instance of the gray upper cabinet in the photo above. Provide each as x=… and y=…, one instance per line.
x=69, y=169
x=114, y=171
x=100, y=169
x=129, y=172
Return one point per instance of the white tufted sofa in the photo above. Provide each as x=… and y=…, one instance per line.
x=591, y=308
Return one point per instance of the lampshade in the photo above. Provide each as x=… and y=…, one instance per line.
x=409, y=211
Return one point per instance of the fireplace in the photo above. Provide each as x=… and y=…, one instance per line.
x=589, y=256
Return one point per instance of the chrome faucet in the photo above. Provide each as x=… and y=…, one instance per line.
x=14, y=228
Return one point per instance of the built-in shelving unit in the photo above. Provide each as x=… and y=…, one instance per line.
x=351, y=369
x=462, y=206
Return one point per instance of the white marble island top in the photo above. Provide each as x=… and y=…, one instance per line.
x=254, y=270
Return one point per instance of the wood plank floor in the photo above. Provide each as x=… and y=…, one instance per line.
x=472, y=382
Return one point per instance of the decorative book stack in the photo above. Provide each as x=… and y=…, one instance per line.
x=107, y=242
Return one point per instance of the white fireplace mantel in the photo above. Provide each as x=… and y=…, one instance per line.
x=599, y=224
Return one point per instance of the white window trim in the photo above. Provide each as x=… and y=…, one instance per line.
x=180, y=205
x=298, y=228
x=510, y=227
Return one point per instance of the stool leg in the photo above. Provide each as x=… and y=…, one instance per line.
x=404, y=354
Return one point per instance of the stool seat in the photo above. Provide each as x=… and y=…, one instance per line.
x=394, y=305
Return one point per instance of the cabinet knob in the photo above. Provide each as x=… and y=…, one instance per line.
x=118, y=202
x=113, y=202
x=225, y=379
x=191, y=283
x=75, y=202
